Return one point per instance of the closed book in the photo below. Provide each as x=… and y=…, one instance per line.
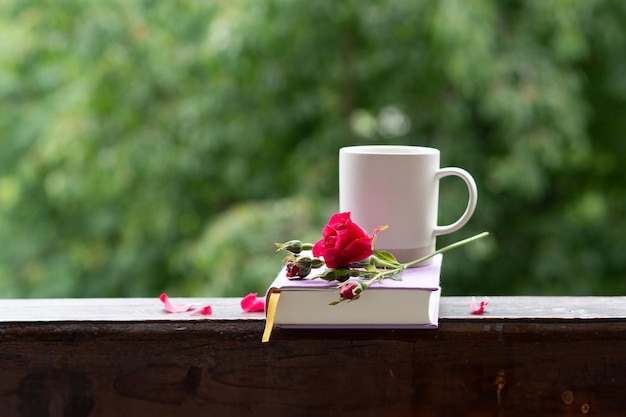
x=411, y=302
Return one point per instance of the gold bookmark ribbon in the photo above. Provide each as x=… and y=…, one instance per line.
x=272, y=303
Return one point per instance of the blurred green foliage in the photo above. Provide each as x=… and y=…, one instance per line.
x=165, y=146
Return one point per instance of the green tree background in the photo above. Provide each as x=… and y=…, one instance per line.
x=165, y=146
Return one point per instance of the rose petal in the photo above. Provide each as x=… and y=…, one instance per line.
x=251, y=303
x=478, y=308
x=175, y=308
x=204, y=310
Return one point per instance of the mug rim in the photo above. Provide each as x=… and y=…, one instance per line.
x=389, y=150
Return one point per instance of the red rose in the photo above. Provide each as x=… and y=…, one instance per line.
x=344, y=242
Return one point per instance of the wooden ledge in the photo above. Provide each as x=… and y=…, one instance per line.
x=557, y=356
x=225, y=309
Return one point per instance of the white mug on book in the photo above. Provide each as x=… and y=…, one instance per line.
x=398, y=186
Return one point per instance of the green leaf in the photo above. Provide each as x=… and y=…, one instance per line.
x=395, y=277
x=386, y=256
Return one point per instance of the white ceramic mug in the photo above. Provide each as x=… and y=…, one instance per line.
x=398, y=186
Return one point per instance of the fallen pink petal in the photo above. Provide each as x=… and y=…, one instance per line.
x=175, y=308
x=204, y=310
x=252, y=303
x=480, y=307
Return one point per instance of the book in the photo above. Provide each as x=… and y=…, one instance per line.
x=412, y=302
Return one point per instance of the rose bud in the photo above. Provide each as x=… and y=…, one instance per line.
x=340, y=275
x=317, y=263
x=293, y=246
x=295, y=272
x=350, y=290
x=298, y=268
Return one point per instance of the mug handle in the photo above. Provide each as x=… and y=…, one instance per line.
x=471, y=204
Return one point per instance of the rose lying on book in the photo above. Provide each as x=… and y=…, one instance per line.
x=350, y=256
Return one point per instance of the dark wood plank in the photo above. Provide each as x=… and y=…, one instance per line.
x=527, y=356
